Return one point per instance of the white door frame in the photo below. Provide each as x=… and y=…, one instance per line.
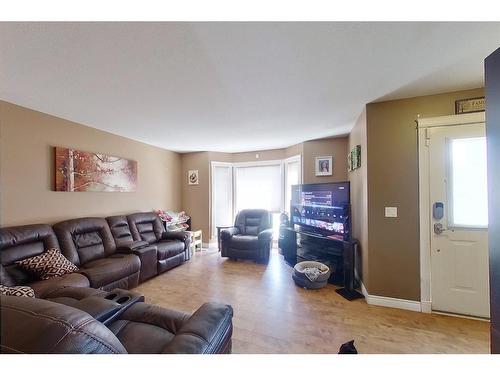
x=291, y=159
x=424, y=189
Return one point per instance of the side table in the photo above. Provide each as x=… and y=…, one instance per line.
x=219, y=228
x=196, y=240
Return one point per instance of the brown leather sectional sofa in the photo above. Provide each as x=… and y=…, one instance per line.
x=91, y=321
x=92, y=311
x=116, y=252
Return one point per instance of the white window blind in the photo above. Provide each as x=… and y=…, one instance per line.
x=259, y=187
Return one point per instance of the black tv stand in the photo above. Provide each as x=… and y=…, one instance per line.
x=299, y=246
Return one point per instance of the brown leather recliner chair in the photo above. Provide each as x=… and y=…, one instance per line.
x=148, y=254
x=250, y=238
x=171, y=246
x=88, y=243
x=31, y=325
x=21, y=242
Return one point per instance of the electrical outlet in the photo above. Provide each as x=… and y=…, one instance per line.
x=391, y=212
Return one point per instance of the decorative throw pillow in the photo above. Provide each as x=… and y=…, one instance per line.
x=49, y=264
x=17, y=291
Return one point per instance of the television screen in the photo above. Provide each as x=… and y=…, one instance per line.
x=322, y=208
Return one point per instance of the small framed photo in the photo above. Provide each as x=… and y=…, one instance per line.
x=193, y=177
x=324, y=166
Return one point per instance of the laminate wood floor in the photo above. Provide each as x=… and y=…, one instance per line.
x=272, y=315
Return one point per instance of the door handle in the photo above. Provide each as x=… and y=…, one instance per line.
x=439, y=229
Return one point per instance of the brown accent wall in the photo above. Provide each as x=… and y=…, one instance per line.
x=336, y=147
x=27, y=170
x=196, y=198
x=393, y=245
x=359, y=198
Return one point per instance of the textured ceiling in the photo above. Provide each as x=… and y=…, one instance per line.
x=233, y=86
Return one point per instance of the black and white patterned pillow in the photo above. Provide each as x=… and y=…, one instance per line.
x=17, y=291
x=47, y=265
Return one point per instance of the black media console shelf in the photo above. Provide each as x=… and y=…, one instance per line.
x=298, y=246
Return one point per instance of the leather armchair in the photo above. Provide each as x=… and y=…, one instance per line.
x=250, y=238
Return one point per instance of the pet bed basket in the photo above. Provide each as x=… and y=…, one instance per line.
x=303, y=281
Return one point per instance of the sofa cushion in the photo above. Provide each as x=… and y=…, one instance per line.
x=120, y=229
x=244, y=242
x=37, y=326
x=141, y=320
x=21, y=242
x=104, y=271
x=17, y=291
x=169, y=248
x=5, y=278
x=47, y=265
x=85, y=239
x=145, y=226
x=43, y=288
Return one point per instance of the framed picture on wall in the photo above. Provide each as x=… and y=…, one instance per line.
x=193, y=177
x=324, y=165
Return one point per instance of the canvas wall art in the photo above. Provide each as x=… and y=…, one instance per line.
x=77, y=170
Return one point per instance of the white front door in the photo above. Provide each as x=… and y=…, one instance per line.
x=459, y=219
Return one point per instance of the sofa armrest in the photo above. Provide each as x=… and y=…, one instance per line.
x=207, y=331
x=130, y=247
x=266, y=235
x=175, y=235
x=227, y=233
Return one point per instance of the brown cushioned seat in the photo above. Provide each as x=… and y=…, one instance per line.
x=208, y=330
x=243, y=242
x=147, y=226
x=39, y=326
x=22, y=242
x=88, y=243
x=44, y=287
x=106, y=271
x=168, y=249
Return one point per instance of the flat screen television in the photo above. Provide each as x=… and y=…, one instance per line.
x=322, y=208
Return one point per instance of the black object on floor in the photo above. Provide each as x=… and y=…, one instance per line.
x=348, y=348
x=349, y=294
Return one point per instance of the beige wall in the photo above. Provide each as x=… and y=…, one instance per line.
x=337, y=147
x=27, y=170
x=196, y=198
x=393, y=243
x=359, y=198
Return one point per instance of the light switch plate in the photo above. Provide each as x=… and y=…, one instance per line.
x=391, y=212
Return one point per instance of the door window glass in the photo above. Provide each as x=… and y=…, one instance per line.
x=468, y=183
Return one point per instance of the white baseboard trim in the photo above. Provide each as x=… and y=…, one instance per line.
x=426, y=306
x=395, y=303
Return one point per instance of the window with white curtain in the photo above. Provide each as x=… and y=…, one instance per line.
x=259, y=187
x=265, y=185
